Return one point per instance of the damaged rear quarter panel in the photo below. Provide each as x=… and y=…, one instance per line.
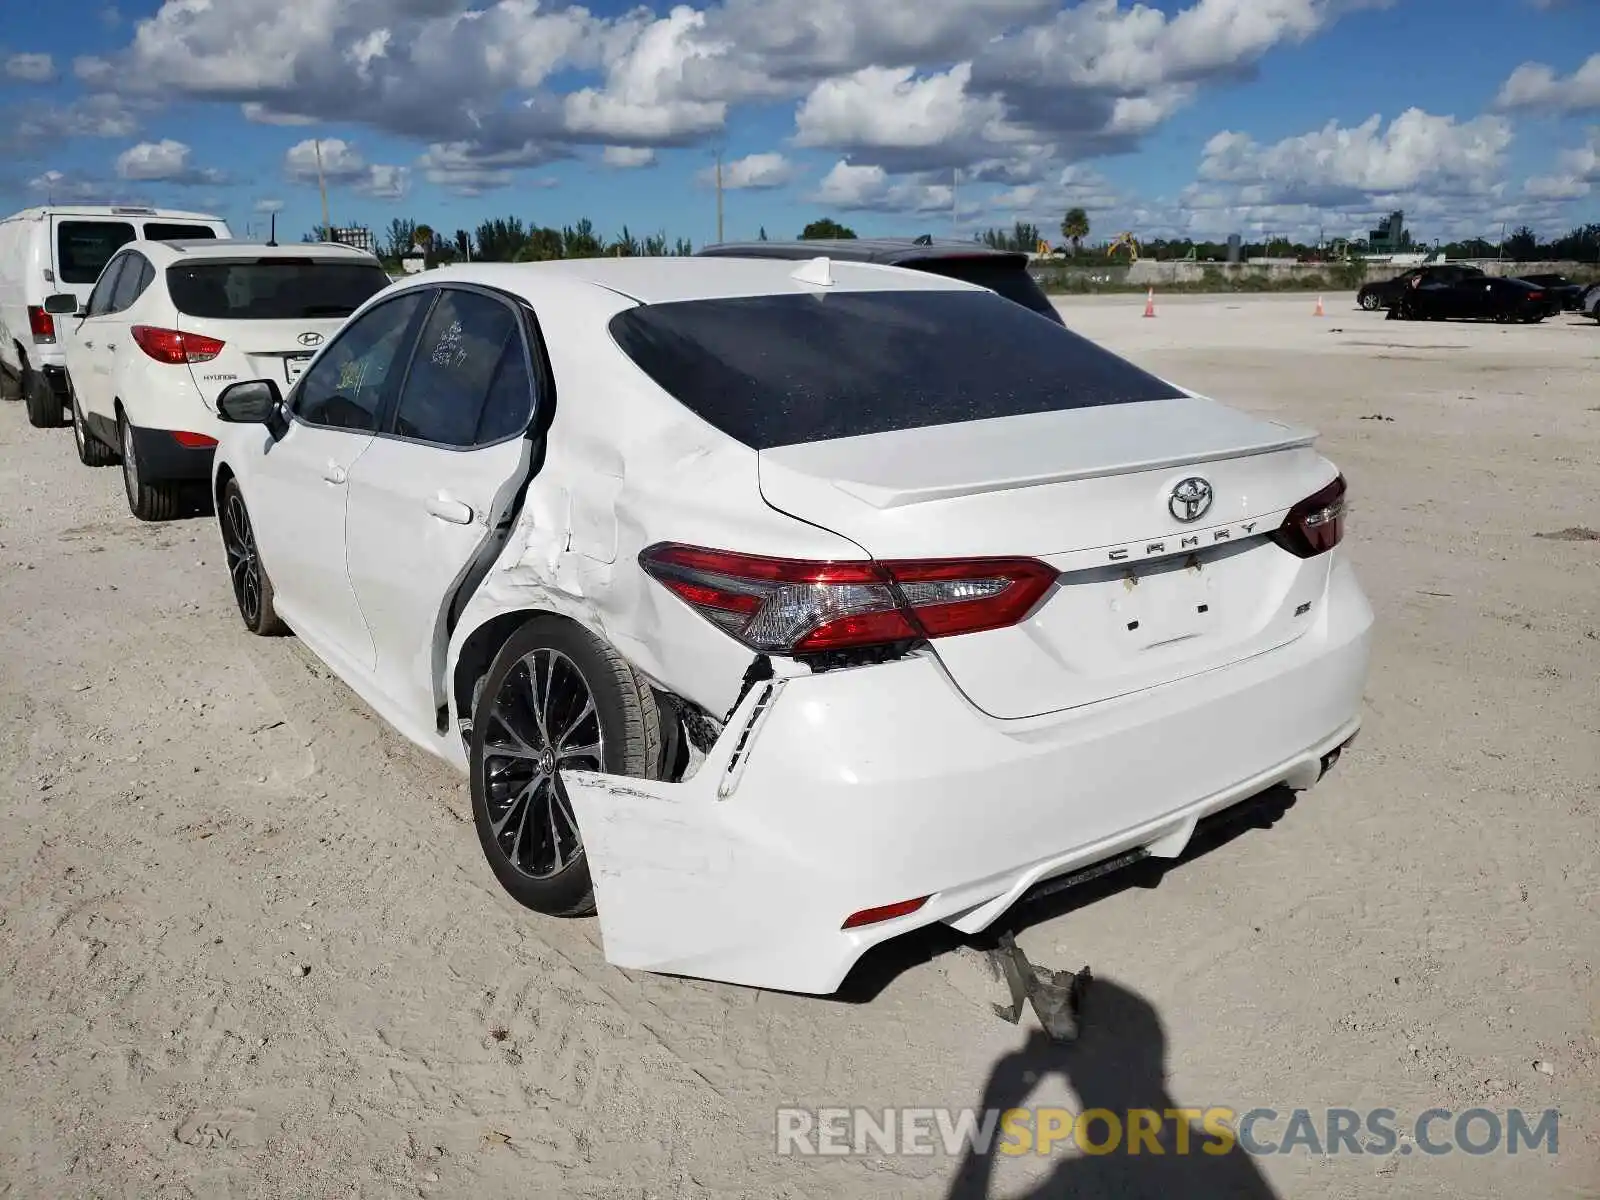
x=626, y=466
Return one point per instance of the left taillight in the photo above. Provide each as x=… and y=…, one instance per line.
x=41, y=324
x=173, y=346
x=794, y=606
x=1316, y=524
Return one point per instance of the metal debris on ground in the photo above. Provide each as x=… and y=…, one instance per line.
x=1056, y=996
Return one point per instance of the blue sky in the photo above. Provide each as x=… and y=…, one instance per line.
x=1187, y=117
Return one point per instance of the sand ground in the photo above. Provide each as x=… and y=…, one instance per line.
x=248, y=945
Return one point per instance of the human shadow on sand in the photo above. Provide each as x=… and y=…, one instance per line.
x=1119, y=1065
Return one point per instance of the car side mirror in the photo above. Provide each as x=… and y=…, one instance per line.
x=251, y=402
x=62, y=304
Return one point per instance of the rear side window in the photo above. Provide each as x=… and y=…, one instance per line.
x=463, y=358
x=782, y=370
x=273, y=289
x=159, y=231
x=137, y=274
x=83, y=248
x=1010, y=280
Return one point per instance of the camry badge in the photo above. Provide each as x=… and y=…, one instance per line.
x=1190, y=500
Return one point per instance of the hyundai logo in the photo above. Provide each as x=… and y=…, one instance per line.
x=310, y=339
x=1190, y=500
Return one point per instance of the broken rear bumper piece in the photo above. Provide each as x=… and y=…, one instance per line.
x=867, y=789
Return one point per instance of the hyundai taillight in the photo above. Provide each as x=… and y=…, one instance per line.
x=173, y=346
x=41, y=324
x=793, y=606
x=1316, y=524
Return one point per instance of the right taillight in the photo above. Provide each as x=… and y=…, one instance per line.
x=794, y=606
x=1315, y=525
x=41, y=324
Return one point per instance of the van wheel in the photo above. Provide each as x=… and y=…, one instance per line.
x=555, y=698
x=44, y=409
x=92, y=452
x=147, y=501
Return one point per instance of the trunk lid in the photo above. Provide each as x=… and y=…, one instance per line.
x=276, y=350
x=1143, y=597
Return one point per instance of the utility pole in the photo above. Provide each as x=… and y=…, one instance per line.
x=719, y=196
x=955, y=204
x=322, y=184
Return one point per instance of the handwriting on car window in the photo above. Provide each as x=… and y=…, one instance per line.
x=449, y=351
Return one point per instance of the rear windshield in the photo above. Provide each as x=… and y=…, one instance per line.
x=273, y=289
x=83, y=248
x=157, y=231
x=782, y=370
x=1010, y=280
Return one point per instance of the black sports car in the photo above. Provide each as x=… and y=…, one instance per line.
x=1480, y=298
x=1374, y=296
x=1568, y=295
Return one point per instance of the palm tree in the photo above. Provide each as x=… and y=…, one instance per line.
x=1075, y=227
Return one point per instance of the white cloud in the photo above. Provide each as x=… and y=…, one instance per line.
x=261, y=114
x=628, y=157
x=872, y=189
x=30, y=68
x=344, y=165
x=1577, y=173
x=1537, y=86
x=754, y=172
x=463, y=168
x=267, y=206
x=891, y=107
x=1417, y=149
x=166, y=161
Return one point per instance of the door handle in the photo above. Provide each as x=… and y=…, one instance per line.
x=334, y=473
x=447, y=509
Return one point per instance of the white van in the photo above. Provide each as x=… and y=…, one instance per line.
x=47, y=251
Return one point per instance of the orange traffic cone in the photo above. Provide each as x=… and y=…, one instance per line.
x=1150, y=303
x=1319, y=312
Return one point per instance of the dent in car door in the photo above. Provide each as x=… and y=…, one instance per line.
x=429, y=495
x=298, y=488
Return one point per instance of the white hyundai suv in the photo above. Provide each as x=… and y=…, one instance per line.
x=171, y=323
x=777, y=609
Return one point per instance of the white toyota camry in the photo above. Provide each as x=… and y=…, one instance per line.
x=777, y=609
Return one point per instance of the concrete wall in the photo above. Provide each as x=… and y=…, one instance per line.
x=1149, y=273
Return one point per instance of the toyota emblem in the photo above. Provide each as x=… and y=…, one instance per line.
x=310, y=339
x=1190, y=500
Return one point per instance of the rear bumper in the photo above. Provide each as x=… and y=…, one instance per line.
x=163, y=457
x=830, y=794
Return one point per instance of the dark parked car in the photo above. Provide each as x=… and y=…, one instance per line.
x=1568, y=296
x=1002, y=271
x=1374, y=296
x=1480, y=298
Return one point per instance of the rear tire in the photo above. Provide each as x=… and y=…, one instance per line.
x=1370, y=302
x=92, y=452
x=156, y=501
x=527, y=828
x=44, y=409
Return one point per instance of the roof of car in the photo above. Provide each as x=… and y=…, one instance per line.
x=201, y=248
x=889, y=251
x=109, y=211
x=666, y=280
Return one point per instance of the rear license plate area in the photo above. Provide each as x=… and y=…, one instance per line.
x=1154, y=607
x=294, y=366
